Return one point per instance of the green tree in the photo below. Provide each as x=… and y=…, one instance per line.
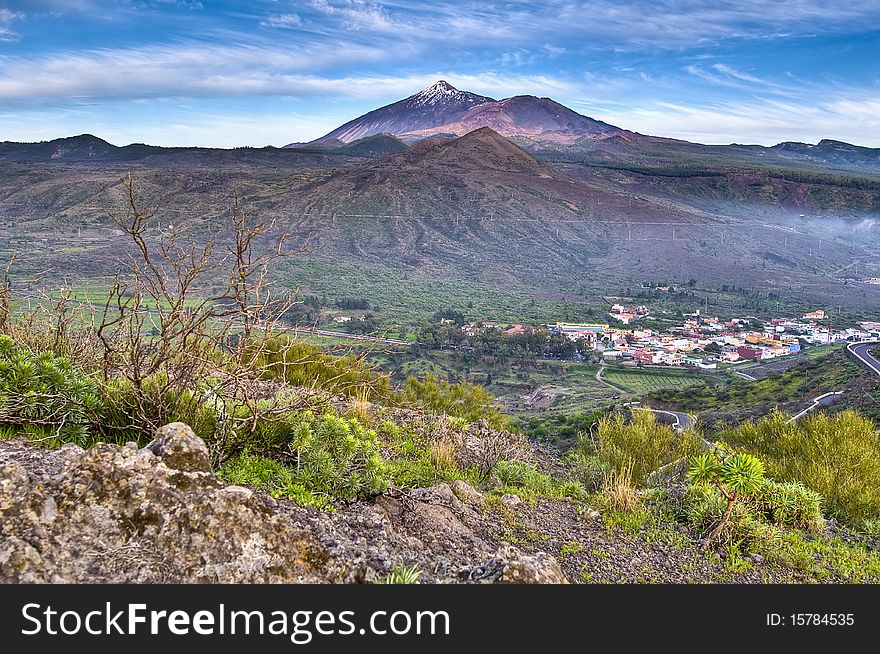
x=734, y=476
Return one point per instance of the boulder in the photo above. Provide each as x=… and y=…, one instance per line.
x=179, y=448
x=521, y=568
x=120, y=514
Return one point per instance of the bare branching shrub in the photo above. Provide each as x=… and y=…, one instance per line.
x=487, y=447
x=187, y=330
x=6, y=294
x=165, y=328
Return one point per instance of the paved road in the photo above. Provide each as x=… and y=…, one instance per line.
x=824, y=400
x=682, y=420
x=862, y=351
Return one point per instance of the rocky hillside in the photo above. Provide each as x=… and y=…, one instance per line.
x=158, y=514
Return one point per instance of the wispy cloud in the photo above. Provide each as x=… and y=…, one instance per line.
x=181, y=71
x=217, y=71
x=282, y=21
x=7, y=17
x=853, y=117
x=659, y=24
x=731, y=77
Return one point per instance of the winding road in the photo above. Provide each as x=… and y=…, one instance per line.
x=682, y=420
x=862, y=352
x=824, y=400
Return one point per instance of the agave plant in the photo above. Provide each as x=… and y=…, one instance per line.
x=401, y=574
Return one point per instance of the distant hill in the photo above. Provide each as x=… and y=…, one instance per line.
x=832, y=153
x=75, y=148
x=378, y=145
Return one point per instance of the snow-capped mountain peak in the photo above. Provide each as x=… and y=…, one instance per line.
x=437, y=92
x=438, y=104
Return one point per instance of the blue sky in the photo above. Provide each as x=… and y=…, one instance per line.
x=190, y=72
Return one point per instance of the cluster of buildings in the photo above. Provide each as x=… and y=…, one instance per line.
x=628, y=314
x=474, y=328
x=705, y=341
x=702, y=341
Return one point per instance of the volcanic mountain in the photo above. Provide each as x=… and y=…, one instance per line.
x=526, y=118
x=480, y=183
x=442, y=109
x=436, y=105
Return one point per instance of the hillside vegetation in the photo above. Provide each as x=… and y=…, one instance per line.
x=737, y=400
x=633, y=501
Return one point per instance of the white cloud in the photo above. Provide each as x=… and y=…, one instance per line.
x=658, y=24
x=225, y=71
x=7, y=17
x=283, y=21
x=854, y=118
x=731, y=77
x=188, y=70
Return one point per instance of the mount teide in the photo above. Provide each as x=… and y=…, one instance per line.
x=434, y=106
x=441, y=109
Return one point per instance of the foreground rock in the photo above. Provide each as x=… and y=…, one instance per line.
x=158, y=514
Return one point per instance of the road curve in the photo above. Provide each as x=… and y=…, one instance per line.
x=682, y=420
x=862, y=352
x=826, y=399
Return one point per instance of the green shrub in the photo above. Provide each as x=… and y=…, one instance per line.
x=871, y=528
x=702, y=508
x=836, y=456
x=269, y=475
x=463, y=400
x=401, y=574
x=332, y=459
x=790, y=504
x=514, y=473
x=302, y=364
x=46, y=397
x=735, y=477
x=524, y=479
x=339, y=457
x=590, y=470
x=642, y=445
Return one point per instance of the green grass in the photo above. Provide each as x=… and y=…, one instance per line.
x=407, y=297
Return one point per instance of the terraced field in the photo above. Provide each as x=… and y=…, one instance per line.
x=647, y=380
